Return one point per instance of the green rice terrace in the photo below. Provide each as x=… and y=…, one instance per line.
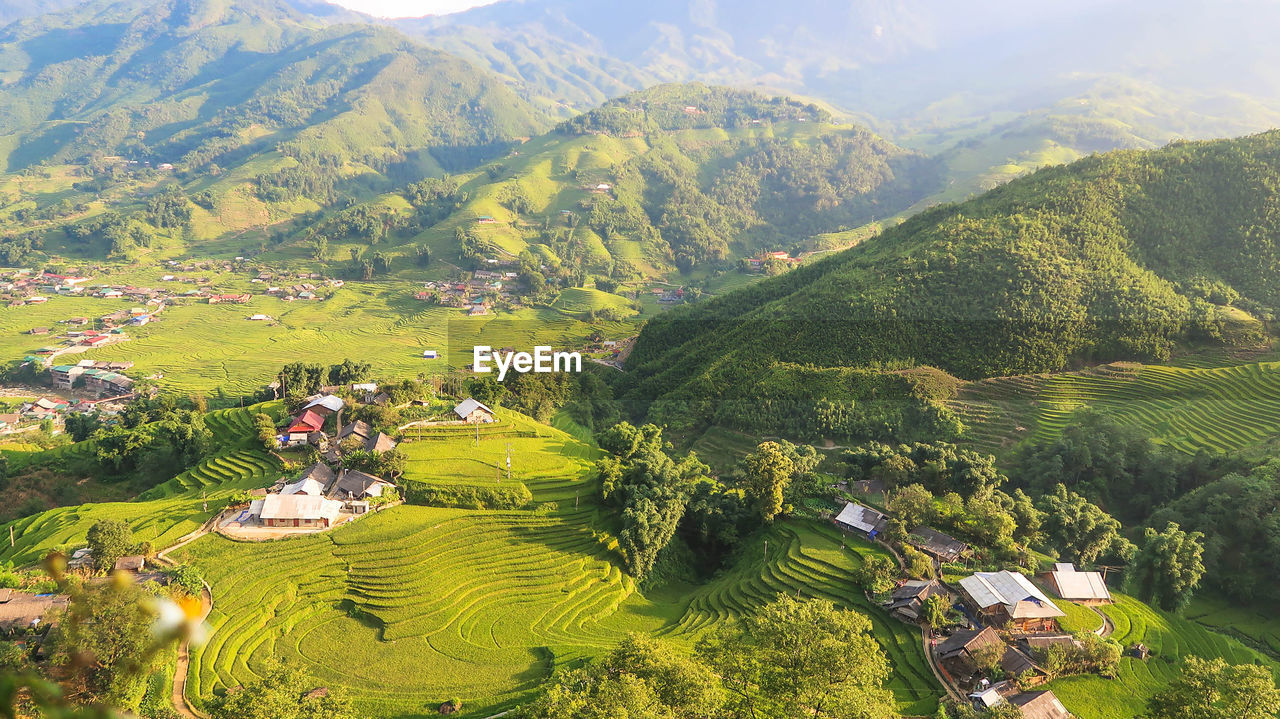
x=163, y=514
x=415, y=605
x=1219, y=409
x=1170, y=639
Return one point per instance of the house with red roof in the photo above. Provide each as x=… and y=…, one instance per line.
x=302, y=427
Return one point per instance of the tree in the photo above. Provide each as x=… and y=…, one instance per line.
x=266, y=429
x=1168, y=569
x=801, y=658
x=936, y=609
x=913, y=504
x=109, y=540
x=877, y=573
x=282, y=692
x=1081, y=529
x=1213, y=689
x=766, y=473
x=106, y=638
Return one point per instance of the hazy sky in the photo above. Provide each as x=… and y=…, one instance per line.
x=409, y=8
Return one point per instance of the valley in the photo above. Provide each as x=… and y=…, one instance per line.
x=929, y=361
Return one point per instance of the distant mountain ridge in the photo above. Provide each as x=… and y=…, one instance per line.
x=202, y=81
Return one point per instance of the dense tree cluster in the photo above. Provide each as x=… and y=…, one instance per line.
x=649, y=488
x=792, y=659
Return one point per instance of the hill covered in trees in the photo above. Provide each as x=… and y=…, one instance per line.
x=1128, y=255
x=204, y=84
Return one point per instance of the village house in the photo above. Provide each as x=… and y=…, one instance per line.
x=959, y=655
x=237, y=299
x=861, y=520
x=325, y=404
x=132, y=564
x=472, y=411
x=1040, y=705
x=355, y=488
x=314, y=481
x=358, y=429
x=23, y=610
x=301, y=428
x=936, y=544
x=104, y=383
x=906, y=601
x=296, y=510
x=1086, y=588
x=1009, y=598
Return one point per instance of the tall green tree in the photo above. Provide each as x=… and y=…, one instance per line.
x=1213, y=689
x=109, y=540
x=1080, y=529
x=766, y=473
x=801, y=658
x=1168, y=568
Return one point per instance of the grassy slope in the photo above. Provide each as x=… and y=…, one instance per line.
x=164, y=513
x=1218, y=409
x=1170, y=639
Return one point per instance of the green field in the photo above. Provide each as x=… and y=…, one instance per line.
x=216, y=348
x=551, y=463
x=161, y=515
x=1218, y=409
x=416, y=605
x=1170, y=639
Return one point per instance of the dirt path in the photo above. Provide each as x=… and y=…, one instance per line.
x=179, y=698
x=1108, y=627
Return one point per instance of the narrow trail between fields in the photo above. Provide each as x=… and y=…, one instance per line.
x=1108, y=627
x=179, y=695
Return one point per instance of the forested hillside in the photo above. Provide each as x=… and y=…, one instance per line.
x=202, y=84
x=1128, y=255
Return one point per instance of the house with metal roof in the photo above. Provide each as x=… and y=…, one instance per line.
x=1009, y=598
x=863, y=520
x=296, y=510
x=1040, y=705
x=314, y=481
x=325, y=405
x=940, y=546
x=471, y=410
x=1088, y=588
x=356, y=485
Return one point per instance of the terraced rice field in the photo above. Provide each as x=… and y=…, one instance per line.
x=161, y=516
x=1219, y=409
x=553, y=464
x=415, y=605
x=1170, y=639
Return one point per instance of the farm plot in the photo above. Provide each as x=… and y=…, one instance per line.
x=551, y=463
x=161, y=516
x=807, y=559
x=415, y=605
x=1219, y=409
x=1170, y=639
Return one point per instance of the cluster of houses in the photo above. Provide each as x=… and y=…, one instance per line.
x=1006, y=612
x=317, y=499
x=757, y=263
x=472, y=294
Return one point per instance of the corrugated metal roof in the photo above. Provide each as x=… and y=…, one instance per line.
x=859, y=517
x=1080, y=585
x=1021, y=598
